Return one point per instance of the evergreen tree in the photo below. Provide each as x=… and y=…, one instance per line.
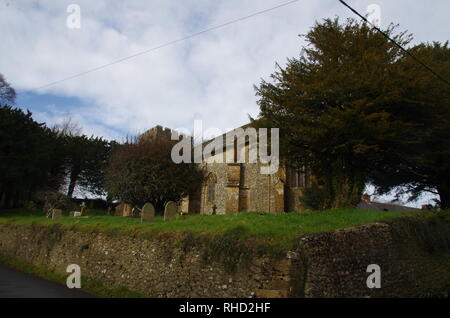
x=423, y=165
x=86, y=161
x=341, y=106
x=30, y=157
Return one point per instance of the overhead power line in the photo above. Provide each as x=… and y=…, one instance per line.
x=397, y=44
x=164, y=45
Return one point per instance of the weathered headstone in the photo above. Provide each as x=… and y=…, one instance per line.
x=56, y=214
x=170, y=210
x=127, y=209
x=74, y=213
x=148, y=213
x=119, y=209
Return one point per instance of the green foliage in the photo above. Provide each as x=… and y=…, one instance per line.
x=143, y=171
x=423, y=165
x=313, y=198
x=231, y=249
x=277, y=230
x=86, y=162
x=34, y=158
x=348, y=109
x=430, y=232
x=30, y=157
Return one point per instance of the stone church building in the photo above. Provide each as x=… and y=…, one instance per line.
x=235, y=187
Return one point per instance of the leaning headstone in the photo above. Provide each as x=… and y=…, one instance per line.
x=170, y=210
x=56, y=214
x=148, y=213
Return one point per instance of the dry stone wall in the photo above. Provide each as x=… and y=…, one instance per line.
x=322, y=265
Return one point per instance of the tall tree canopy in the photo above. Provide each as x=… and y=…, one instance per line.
x=425, y=166
x=30, y=157
x=345, y=107
x=86, y=162
x=143, y=171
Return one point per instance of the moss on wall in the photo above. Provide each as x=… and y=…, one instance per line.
x=413, y=254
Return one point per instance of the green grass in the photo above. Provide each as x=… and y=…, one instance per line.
x=231, y=236
x=270, y=228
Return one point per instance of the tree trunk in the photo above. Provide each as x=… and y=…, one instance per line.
x=444, y=194
x=347, y=188
x=73, y=181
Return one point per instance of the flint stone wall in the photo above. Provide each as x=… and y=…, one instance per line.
x=329, y=264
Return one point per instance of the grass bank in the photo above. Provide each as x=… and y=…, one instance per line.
x=271, y=228
x=232, y=235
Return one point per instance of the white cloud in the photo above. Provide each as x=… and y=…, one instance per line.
x=210, y=76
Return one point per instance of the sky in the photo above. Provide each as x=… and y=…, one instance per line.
x=208, y=77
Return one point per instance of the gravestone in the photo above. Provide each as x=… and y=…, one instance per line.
x=148, y=213
x=170, y=210
x=83, y=208
x=119, y=210
x=123, y=209
x=56, y=214
x=127, y=209
x=74, y=213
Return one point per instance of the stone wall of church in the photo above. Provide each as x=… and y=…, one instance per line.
x=242, y=187
x=206, y=206
x=263, y=189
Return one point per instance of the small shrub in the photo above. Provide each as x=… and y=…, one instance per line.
x=430, y=233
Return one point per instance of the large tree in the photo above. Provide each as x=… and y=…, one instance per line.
x=30, y=157
x=341, y=106
x=86, y=162
x=143, y=171
x=425, y=165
